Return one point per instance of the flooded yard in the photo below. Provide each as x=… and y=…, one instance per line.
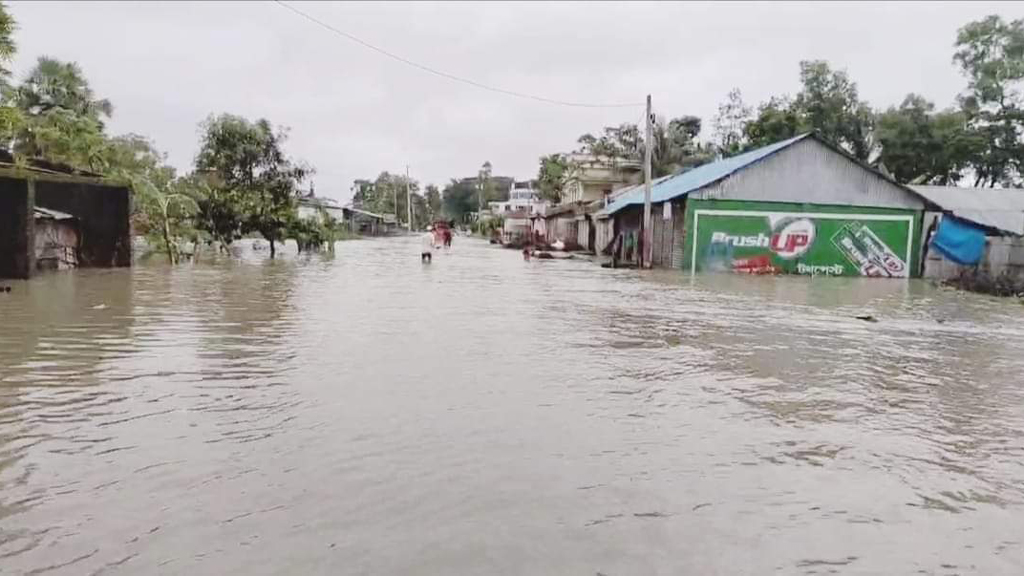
x=362, y=413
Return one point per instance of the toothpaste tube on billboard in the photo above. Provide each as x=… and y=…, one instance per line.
x=868, y=252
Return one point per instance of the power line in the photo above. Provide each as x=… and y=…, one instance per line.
x=443, y=74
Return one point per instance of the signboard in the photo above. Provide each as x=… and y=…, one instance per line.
x=813, y=243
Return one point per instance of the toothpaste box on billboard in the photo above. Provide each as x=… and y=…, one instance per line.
x=760, y=238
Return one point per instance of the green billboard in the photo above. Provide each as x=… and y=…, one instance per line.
x=777, y=238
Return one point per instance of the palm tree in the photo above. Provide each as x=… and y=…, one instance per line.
x=53, y=84
x=7, y=46
x=61, y=119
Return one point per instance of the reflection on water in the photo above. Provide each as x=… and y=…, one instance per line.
x=365, y=414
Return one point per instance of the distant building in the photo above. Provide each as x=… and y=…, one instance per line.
x=593, y=182
x=310, y=206
x=516, y=227
x=522, y=196
x=367, y=223
x=596, y=177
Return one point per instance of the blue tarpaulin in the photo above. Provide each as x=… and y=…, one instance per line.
x=959, y=241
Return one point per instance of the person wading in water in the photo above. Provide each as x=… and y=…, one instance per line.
x=427, y=246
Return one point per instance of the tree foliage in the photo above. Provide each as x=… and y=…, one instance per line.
x=729, y=124
x=675, y=147
x=921, y=146
x=247, y=166
x=433, y=202
x=459, y=199
x=59, y=117
x=314, y=233
x=552, y=174
x=163, y=204
x=828, y=103
x=777, y=119
x=386, y=195
x=488, y=188
x=990, y=52
x=7, y=46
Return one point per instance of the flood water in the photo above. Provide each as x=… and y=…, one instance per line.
x=365, y=414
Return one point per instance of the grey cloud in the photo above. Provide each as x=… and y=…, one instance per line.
x=354, y=113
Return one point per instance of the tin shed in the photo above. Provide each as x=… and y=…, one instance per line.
x=100, y=208
x=797, y=206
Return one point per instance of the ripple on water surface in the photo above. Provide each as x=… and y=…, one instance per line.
x=363, y=413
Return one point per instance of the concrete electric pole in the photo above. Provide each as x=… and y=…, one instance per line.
x=647, y=238
x=408, y=196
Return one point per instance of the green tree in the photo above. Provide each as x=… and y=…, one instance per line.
x=11, y=118
x=616, y=142
x=459, y=199
x=488, y=190
x=61, y=119
x=218, y=212
x=552, y=174
x=362, y=191
x=920, y=145
x=776, y=120
x=162, y=204
x=733, y=116
x=432, y=196
x=386, y=195
x=421, y=215
x=247, y=164
x=990, y=52
x=676, y=147
x=315, y=232
x=828, y=103
x=7, y=46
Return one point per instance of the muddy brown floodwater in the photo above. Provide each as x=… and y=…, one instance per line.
x=366, y=414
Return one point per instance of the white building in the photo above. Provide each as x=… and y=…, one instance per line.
x=522, y=196
x=595, y=178
x=310, y=206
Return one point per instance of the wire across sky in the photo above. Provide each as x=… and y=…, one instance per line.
x=447, y=75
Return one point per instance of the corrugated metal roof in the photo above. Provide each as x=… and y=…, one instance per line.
x=53, y=214
x=365, y=213
x=677, y=185
x=999, y=208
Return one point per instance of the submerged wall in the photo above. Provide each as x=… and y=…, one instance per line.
x=103, y=219
x=1003, y=255
x=812, y=239
x=102, y=212
x=16, y=229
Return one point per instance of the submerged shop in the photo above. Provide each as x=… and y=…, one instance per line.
x=800, y=206
x=800, y=239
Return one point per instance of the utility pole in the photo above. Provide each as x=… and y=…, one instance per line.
x=394, y=193
x=647, y=236
x=408, y=196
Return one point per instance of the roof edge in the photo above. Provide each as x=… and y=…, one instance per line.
x=787, y=144
x=878, y=173
x=10, y=171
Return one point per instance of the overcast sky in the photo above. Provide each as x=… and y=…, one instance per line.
x=354, y=113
